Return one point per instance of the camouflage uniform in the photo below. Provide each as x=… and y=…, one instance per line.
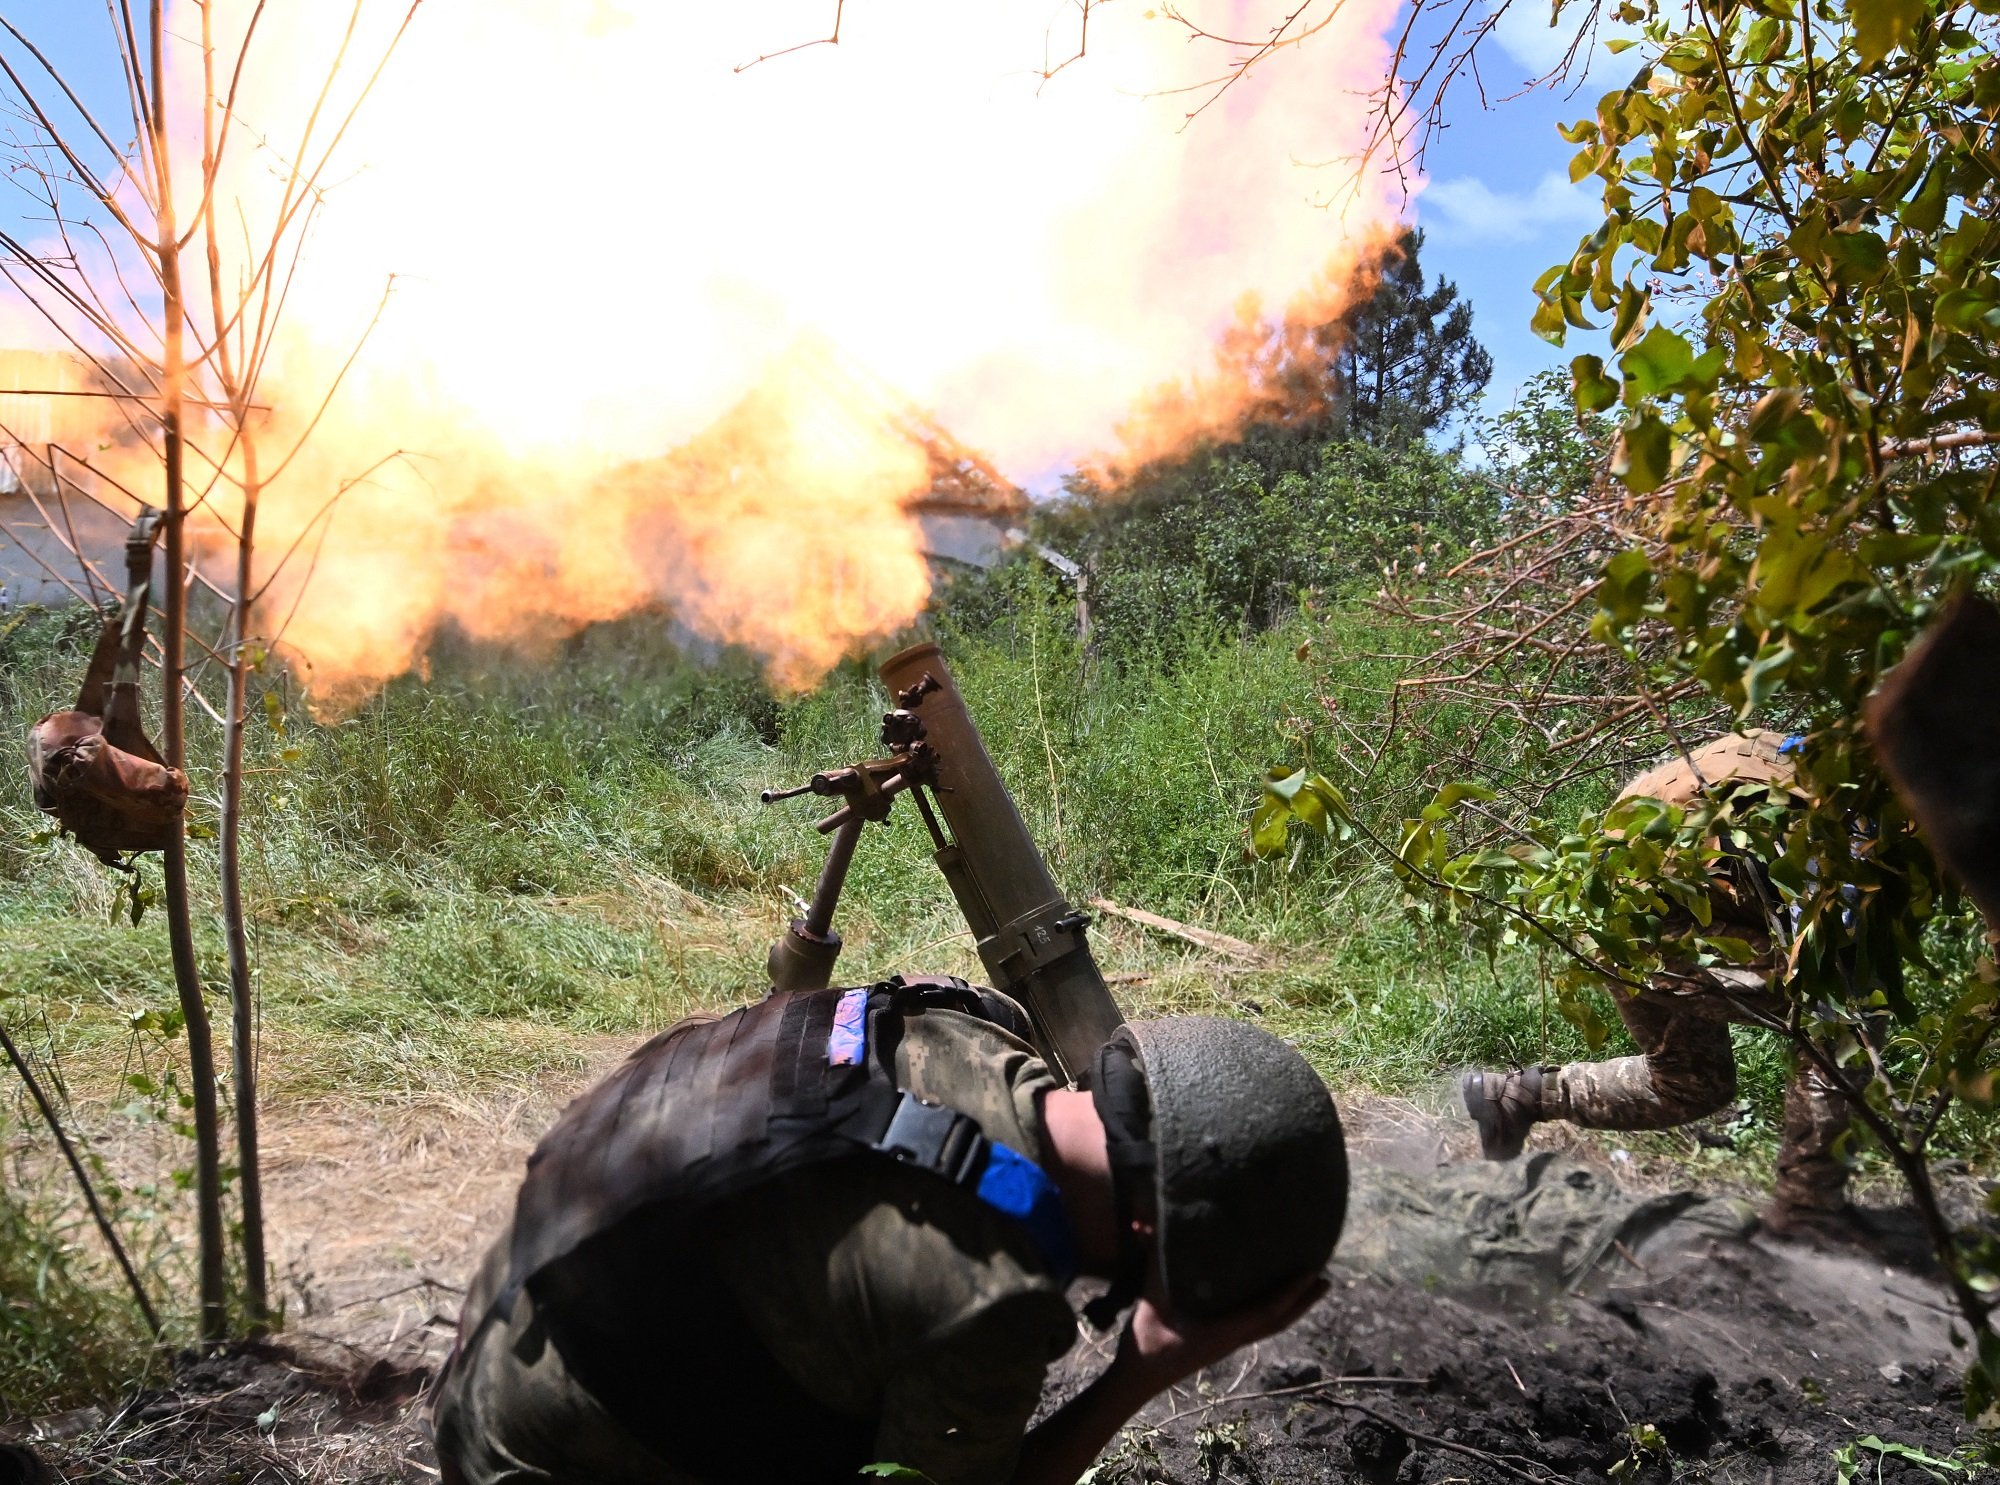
x=907, y=1308
x=1686, y=1069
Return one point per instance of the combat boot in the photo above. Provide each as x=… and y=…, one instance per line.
x=1505, y=1106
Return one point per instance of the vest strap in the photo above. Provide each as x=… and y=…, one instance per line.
x=938, y=1138
x=941, y=1140
x=1014, y=1184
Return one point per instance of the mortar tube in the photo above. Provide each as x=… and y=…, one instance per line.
x=1029, y=938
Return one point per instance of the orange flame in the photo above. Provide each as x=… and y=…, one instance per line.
x=607, y=245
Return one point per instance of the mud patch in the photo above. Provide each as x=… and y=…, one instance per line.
x=254, y=1414
x=1705, y=1351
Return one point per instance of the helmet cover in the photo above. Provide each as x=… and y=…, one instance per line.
x=1754, y=756
x=1251, y=1171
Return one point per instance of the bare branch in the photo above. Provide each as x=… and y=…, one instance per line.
x=832, y=38
x=1916, y=448
x=214, y=144
x=42, y=562
x=1082, y=42
x=135, y=81
x=67, y=539
x=1259, y=51
x=57, y=137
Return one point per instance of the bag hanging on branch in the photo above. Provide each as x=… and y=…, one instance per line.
x=93, y=766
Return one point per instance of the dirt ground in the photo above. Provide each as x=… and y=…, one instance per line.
x=1731, y=1358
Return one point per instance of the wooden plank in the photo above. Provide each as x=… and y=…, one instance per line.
x=1203, y=938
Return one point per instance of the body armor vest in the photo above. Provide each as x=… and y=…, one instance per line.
x=701, y=1113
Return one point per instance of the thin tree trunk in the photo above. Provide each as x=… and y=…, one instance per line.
x=250, y=1183
x=173, y=641
x=242, y=993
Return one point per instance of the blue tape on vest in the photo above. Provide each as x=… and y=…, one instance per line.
x=849, y=1042
x=1014, y=1184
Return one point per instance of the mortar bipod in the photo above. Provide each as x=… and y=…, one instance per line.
x=803, y=956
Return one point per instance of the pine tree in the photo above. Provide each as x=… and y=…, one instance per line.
x=1404, y=360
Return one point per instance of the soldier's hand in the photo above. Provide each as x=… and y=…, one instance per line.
x=1167, y=1348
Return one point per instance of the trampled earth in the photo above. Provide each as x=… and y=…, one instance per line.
x=1544, y=1321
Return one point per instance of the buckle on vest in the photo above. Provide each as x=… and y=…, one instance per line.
x=934, y=1136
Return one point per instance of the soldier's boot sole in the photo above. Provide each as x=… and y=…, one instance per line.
x=1503, y=1107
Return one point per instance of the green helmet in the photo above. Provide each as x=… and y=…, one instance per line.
x=1239, y=1143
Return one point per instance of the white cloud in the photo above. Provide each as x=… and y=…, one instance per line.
x=1469, y=208
x=1526, y=35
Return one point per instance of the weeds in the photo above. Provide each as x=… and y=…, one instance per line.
x=68, y=1332
x=456, y=885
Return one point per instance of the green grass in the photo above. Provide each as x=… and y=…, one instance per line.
x=68, y=1334
x=457, y=885
x=578, y=846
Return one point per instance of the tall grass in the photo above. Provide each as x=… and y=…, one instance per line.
x=68, y=1335
x=577, y=842
x=454, y=881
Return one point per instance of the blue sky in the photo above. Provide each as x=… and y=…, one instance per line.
x=1500, y=208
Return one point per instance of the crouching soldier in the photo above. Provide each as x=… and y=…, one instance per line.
x=1686, y=1069
x=836, y=1228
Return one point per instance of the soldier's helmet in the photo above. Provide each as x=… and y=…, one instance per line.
x=1248, y=1171
x=1756, y=756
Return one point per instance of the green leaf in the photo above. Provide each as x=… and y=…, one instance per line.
x=1731, y=950
x=1581, y=1013
x=1268, y=828
x=1631, y=315
x=1310, y=811
x=1931, y=1463
x=1592, y=390
x=1763, y=674
x=1962, y=309
x=1864, y=252
x=1447, y=798
x=1622, y=590
x=1285, y=786
x=1775, y=411
x=1924, y=212
x=1335, y=803
x=1658, y=362
x=1880, y=26
x=1642, y=455
x=1547, y=321
x=1899, y=549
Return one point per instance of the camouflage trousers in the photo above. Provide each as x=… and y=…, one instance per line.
x=1686, y=1071
x=505, y=1409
